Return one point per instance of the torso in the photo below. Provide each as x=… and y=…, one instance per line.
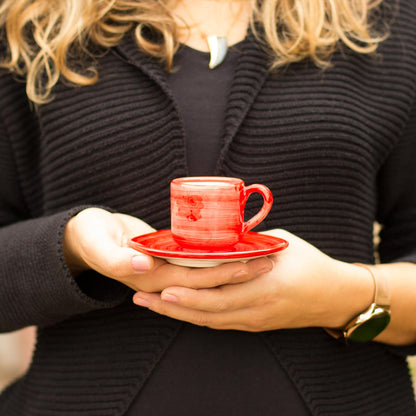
x=202, y=362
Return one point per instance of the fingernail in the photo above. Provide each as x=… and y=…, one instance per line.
x=141, y=302
x=140, y=263
x=239, y=275
x=169, y=297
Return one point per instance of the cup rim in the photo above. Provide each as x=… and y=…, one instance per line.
x=209, y=180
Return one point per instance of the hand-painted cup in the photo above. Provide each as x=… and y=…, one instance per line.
x=207, y=212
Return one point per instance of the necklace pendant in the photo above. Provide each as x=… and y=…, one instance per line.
x=218, y=47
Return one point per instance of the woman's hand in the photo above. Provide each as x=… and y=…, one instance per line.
x=99, y=240
x=304, y=288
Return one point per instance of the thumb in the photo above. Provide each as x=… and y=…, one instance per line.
x=119, y=262
x=140, y=262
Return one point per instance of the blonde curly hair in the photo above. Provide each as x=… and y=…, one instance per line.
x=49, y=39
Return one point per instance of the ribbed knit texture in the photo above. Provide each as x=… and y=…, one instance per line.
x=336, y=147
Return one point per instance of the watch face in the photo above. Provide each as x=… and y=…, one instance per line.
x=371, y=327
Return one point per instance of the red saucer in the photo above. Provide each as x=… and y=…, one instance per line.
x=161, y=244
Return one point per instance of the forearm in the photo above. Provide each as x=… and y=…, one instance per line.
x=37, y=288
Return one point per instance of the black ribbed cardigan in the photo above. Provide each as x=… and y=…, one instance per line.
x=336, y=147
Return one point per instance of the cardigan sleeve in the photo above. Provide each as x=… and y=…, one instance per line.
x=36, y=286
x=397, y=207
x=397, y=199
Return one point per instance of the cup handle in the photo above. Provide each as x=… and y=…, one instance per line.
x=267, y=195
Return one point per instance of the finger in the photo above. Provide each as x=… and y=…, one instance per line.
x=229, y=273
x=121, y=263
x=163, y=275
x=221, y=299
x=239, y=320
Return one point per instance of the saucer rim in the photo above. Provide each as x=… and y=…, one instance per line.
x=280, y=244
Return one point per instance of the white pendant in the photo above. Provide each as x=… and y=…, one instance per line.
x=218, y=47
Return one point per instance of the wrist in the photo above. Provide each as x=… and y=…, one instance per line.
x=355, y=294
x=71, y=249
x=370, y=322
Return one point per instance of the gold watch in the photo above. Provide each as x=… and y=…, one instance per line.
x=368, y=324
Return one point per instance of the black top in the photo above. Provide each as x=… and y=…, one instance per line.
x=336, y=147
x=208, y=372
x=252, y=381
x=201, y=94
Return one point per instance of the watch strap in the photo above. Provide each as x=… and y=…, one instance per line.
x=382, y=294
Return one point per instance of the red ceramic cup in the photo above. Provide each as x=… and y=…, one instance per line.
x=207, y=212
